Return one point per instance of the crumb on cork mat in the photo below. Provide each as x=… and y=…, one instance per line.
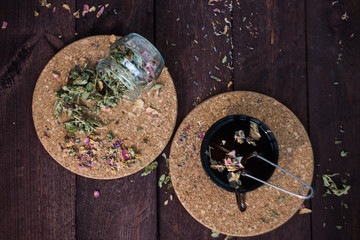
x=267, y=208
x=138, y=130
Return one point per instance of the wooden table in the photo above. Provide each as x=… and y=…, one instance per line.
x=303, y=53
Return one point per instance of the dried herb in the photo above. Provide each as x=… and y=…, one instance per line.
x=339, y=227
x=232, y=163
x=331, y=186
x=112, y=155
x=343, y=154
x=214, y=234
x=281, y=199
x=157, y=86
x=166, y=159
x=149, y=168
x=109, y=136
x=161, y=180
x=344, y=205
x=82, y=90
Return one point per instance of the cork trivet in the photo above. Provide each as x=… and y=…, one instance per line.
x=147, y=133
x=267, y=208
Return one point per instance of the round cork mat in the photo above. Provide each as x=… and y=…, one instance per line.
x=267, y=208
x=141, y=127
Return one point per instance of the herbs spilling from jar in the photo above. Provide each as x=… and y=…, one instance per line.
x=82, y=98
x=233, y=163
x=87, y=90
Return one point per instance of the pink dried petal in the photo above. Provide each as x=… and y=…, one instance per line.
x=55, y=75
x=188, y=127
x=216, y=10
x=4, y=25
x=124, y=152
x=100, y=12
x=232, y=153
x=54, y=9
x=240, y=165
x=86, y=9
x=202, y=135
x=96, y=194
x=86, y=141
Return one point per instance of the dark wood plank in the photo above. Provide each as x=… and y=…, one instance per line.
x=334, y=112
x=37, y=195
x=270, y=58
x=126, y=208
x=185, y=37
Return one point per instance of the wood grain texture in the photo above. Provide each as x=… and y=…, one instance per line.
x=334, y=112
x=185, y=37
x=290, y=51
x=270, y=58
x=124, y=210
x=37, y=195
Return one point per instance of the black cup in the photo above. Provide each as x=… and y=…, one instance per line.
x=266, y=146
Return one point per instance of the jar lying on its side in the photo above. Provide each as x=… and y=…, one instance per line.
x=132, y=65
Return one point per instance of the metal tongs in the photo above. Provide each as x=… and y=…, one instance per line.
x=255, y=154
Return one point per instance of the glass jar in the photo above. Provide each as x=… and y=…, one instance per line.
x=132, y=65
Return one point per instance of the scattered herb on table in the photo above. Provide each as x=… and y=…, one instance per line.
x=281, y=199
x=343, y=154
x=331, y=186
x=164, y=179
x=149, y=168
x=214, y=234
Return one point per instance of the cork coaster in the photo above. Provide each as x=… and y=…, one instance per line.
x=146, y=132
x=267, y=208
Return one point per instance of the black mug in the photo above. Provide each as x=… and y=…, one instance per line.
x=220, y=138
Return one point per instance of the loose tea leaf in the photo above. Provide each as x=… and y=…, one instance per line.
x=73, y=98
x=149, y=168
x=157, y=86
x=214, y=234
x=109, y=136
x=332, y=187
x=343, y=154
x=305, y=210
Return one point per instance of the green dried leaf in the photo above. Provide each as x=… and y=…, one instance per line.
x=224, y=59
x=332, y=187
x=85, y=95
x=161, y=180
x=216, y=78
x=166, y=159
x=58, y=109
x=109, y=136
x=338, y=142
x=71, y=128
x=214, y=234
x=339, y=227
x=343, y=154
x=281, y=199
x=157, y=86
x=149, y=168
